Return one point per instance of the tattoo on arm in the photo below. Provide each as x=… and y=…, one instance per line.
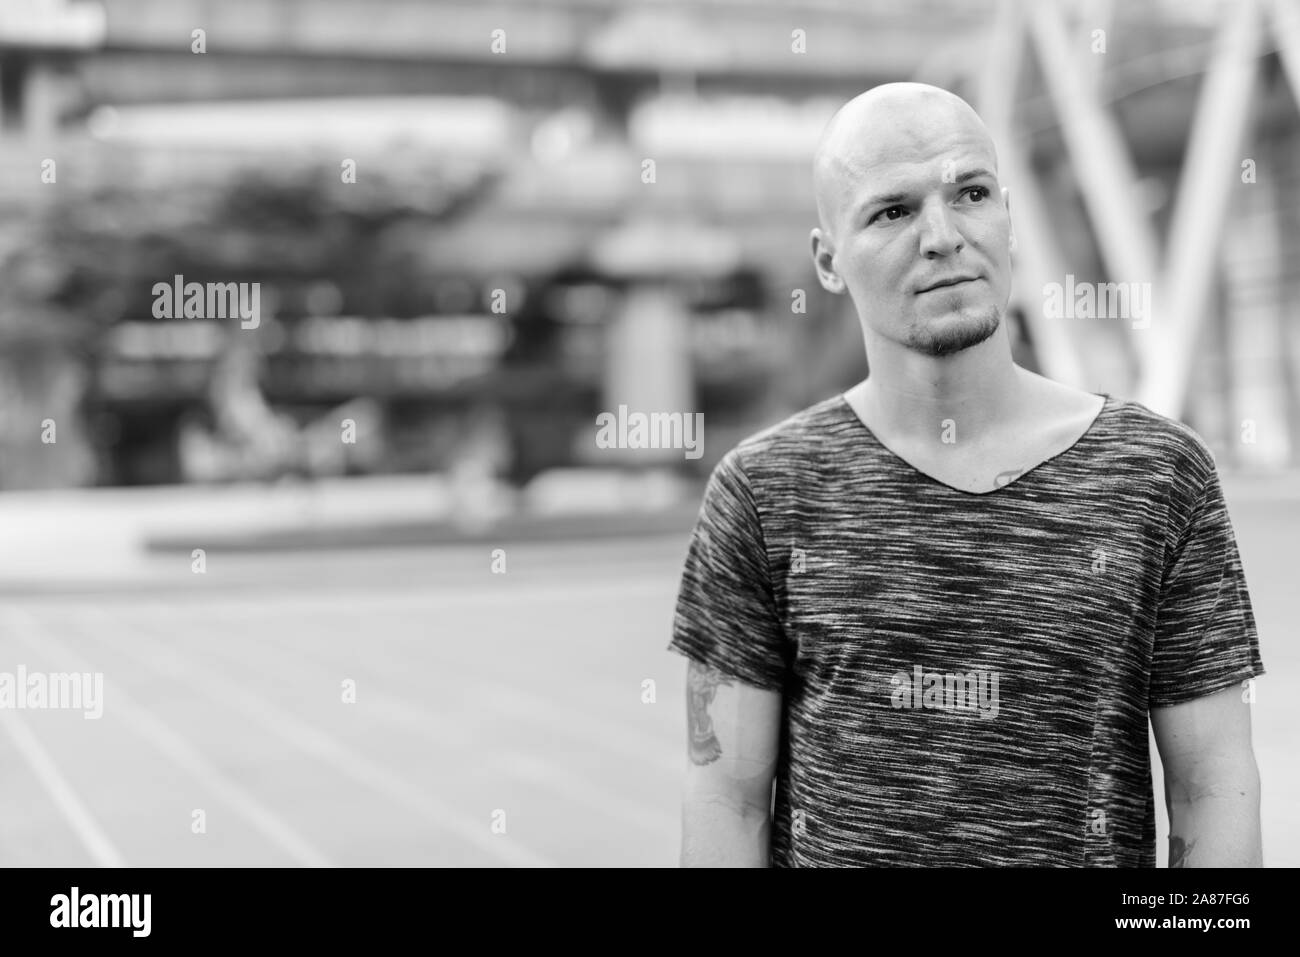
x=701, y=687
x=1180, y=851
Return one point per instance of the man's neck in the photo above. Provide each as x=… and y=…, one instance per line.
x=982, y=396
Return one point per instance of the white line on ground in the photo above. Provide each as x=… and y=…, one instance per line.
x=400, y=711
x=83, y=823
x=351, y=763
x=183, y=754
x=571, y=722
x=512, y=701
x=580, y=790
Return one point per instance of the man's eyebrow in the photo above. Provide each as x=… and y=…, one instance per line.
x=897, y=197
x=883, y=198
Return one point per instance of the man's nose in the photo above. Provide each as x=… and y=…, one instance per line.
x=939, y=235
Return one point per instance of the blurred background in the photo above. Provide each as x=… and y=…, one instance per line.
x=476, y=226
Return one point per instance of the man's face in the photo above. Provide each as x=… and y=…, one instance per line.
x=918, y=203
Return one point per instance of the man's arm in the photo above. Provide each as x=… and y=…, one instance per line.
x=1211, y=781
x=733, y=738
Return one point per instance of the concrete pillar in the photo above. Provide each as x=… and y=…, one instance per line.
x=648, y=363
x=42, y=99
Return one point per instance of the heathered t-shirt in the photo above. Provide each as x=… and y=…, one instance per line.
x=967, y=676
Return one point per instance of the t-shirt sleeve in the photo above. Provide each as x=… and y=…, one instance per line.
x=726, y=616
x=1205, y=639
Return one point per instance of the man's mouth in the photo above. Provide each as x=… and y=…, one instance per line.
x=945, y=283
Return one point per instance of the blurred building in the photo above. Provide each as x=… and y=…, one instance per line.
x=477, y=225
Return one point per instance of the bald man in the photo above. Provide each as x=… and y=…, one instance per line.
x=927, y=620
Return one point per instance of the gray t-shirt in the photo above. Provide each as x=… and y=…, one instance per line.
x=967, y=676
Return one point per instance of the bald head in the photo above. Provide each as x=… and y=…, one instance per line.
x=895, y=123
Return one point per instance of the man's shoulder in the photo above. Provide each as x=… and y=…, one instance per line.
x=1129, y=424
x=1161, y=438
x=795, y=438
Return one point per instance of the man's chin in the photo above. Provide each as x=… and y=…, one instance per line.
x=955, y=332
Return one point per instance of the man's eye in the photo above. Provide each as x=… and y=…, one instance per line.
x=888, y=213
x=983, y=192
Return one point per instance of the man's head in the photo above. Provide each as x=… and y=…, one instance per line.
x=907, y=196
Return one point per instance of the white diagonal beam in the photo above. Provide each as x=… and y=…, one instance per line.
x=1038, y=260
x=1210, y=172
x=1106, y=172
x=1086, y=16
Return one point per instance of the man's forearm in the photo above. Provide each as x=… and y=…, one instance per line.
x=720, y=833
x=1217, y=829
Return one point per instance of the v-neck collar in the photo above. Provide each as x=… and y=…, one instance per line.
x=874, y=439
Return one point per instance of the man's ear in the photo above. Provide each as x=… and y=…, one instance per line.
x=823, y=254
x=1011, y=230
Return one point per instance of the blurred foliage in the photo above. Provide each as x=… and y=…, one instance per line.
x=88, y=256
x=92, y=256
